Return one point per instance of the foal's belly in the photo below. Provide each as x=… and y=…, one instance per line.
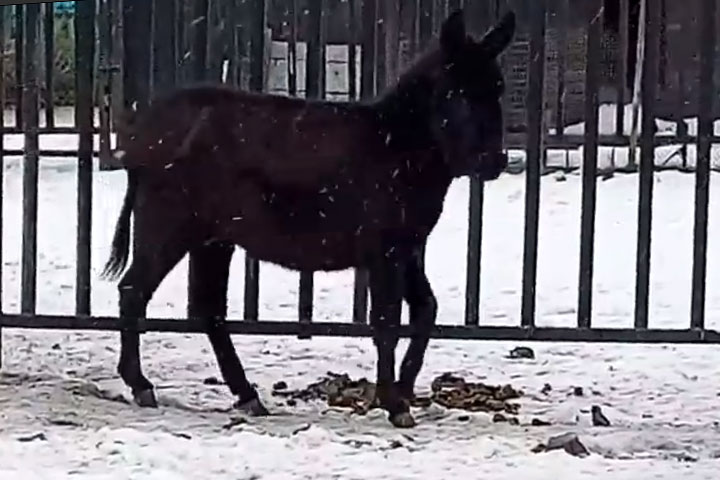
x=309, y=252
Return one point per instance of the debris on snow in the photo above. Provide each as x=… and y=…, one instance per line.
x=598, y=418
x=448, y=391
x=32, y=438
x=454, y=392
x=538, y=422
x=499, y=418
x=214, y=381
x=280, y=386
x=64, y=422
x=86, y=389
x=234, y=422
x=568, y=442
x=522, y=352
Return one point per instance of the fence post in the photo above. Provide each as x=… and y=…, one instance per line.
x=367, y=90
x=137, y=39
x=589, y=171
x=84, y=94
x=199, y=40
x=30, y=125
x=292, y=62
x=164, y=45
x=19, y=77
x=3, y=10
x=352, y=50
x=647, y=160
x=104, y=84
x=708, y=38
x=475, y=211
x=535, y=155
x=49, y=51
x=257, y=22
x=314, y=90
x=621, y=66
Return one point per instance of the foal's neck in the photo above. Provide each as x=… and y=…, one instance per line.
x=403, y=114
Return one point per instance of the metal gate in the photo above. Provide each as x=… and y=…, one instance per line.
x=127, y=49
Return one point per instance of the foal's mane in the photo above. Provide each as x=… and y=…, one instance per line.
x=420, y=68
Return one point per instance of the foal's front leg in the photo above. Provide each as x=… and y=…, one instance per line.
x=386, y=305
x=423, y=308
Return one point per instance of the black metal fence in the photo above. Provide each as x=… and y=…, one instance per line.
x=125, y=50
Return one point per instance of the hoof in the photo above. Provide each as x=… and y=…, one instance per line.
x=402, y=420
x=145, y=398
x=252, y=407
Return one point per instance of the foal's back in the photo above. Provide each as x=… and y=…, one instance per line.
x=287, y=141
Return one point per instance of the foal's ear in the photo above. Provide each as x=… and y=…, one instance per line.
x=497, y=39
x=452, y=33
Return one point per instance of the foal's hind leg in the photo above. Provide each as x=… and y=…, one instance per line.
x=151, y=263
x=207, y=300
x=423, y=312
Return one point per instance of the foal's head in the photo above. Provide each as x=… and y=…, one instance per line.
x=465, y=111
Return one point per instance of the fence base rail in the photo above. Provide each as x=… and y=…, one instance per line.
x=339, y=329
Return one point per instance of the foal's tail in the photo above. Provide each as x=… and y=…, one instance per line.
x=121, y=240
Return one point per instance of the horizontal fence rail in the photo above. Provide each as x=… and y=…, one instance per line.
x=350, y=329
x=124, y=54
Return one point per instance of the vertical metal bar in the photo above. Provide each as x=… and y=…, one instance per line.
x=411, y=10
x=535, y=155
x=647, y=162
x=589, y=173
x=181, y=42
x=199, y=24
x=231, y=39
x=474, y=252
x=30, y=107
x=84, y=88
x=257, y=20
x=369, y=49
x=197, y=68
x=215, y=40
x=425, y=22
x=474, y=18
x=352, y=50
x=562, y=22
x=367, y=91
x=440, y=15
x=117, y=60
x=137, y=40
x=314, y=90
x=315, y=45
x=104, y=83
x=391, y=27
x=3, y=11
x=292, y=48
x=49, y=30
x=164, y=48
x=708, y=40
x=622, y=66
x=19, y=47
x=380, y=27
